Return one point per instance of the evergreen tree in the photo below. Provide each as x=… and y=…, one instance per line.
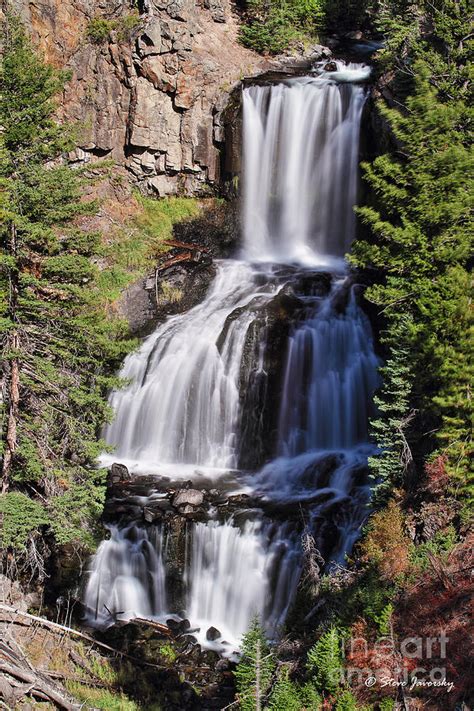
x=325, y=660
x=420, y=245
x=346, y=702
x=57, y=345
x=284, y=694
x=255, y=669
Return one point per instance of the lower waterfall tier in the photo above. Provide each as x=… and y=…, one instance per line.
x=251, y=411
x=217, y=558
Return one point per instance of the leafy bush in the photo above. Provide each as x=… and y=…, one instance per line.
x=98, y=29
x=386, y=544
x=441, y=545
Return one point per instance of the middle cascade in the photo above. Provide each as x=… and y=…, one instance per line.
x=182, y=413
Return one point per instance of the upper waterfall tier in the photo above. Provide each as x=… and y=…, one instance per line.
x=301, y=145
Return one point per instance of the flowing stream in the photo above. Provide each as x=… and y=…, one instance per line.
x=199, y=380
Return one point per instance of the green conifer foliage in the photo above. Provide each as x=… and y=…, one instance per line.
x=255, y=669
x=421, y=228
x=284, y=694
x=346, y=702
x=325, y=660
x=58, y=349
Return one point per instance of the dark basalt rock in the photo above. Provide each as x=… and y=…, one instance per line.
x=260, y=387
x=156, y=510
x=117, y=474
x=212, y=634
x=194, y=679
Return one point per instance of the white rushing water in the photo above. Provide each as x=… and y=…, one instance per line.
x=300, y=143
x=182, y=410
x=331, y=373
x=127, y=578
x=222, y=558
x=182, y=404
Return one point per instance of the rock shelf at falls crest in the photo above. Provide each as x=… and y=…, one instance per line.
x=256, y=401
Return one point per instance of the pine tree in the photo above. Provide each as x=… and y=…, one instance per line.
x=284, y=694
x=325, y=661
x=58, y=349
x=419, y=246
x=346, y=702
x=255, y=669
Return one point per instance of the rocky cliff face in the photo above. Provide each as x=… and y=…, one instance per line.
x=150, y=94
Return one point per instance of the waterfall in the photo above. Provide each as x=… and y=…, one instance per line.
x=300, y=145
x=222, y=555
x=182, y=404
x=331, y=372
x=183, y=409
x=127, y=577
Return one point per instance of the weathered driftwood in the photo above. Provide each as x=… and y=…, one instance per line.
x=163, y=629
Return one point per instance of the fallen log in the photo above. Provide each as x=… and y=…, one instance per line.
x=62, y=628
x=39, y=687
x=164, y=629
x=187, y=245
x=177, y=259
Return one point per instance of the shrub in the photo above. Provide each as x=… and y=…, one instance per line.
x=21, y=516
x=272, y=26
x=98, y=29
x=386, y=544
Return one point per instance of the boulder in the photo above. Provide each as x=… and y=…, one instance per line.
x=354, y=35
x=117, y=473
x=192, y=497
x=212, y=634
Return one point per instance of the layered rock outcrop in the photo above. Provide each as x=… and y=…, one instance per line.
x=149, y=86
x=150, y=93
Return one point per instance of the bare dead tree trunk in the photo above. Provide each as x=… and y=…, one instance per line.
x=258, y=662
x=13, y=375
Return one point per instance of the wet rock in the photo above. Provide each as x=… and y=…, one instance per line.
x=261, y=387
x=212, y=634
x=156, y=510
x=117, y=474
x=173, y=625
x=222, y=665
x=330, y=67
x=187, y=285
x=188, y=497
x=354, y=35
x=151, y=515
